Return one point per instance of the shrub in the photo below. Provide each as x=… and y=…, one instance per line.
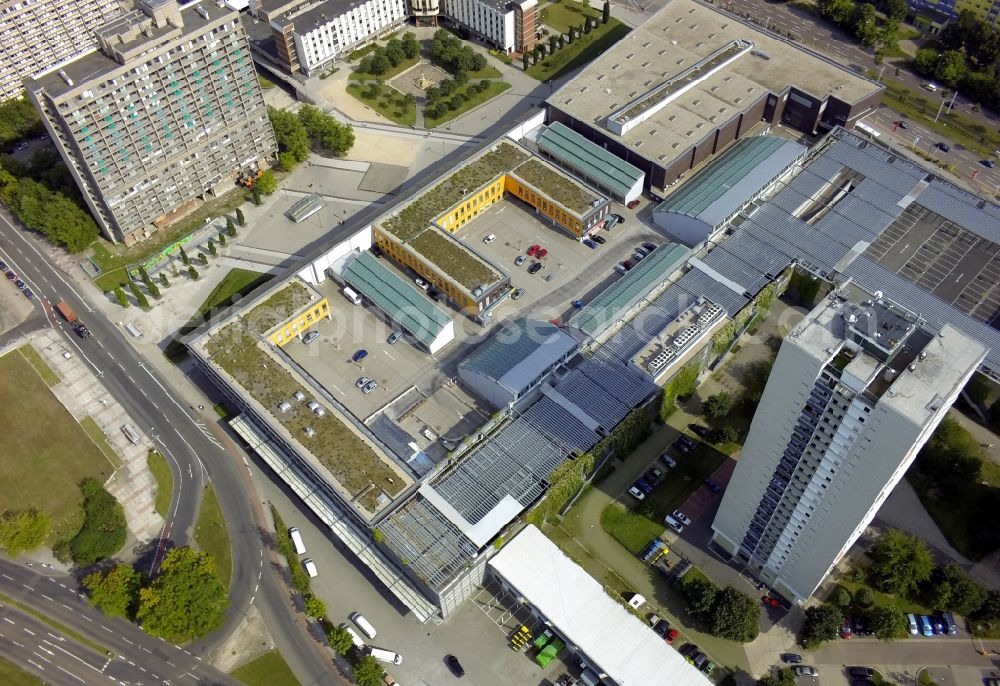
x=103, y=532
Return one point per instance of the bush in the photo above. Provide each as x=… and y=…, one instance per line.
x=841, y=597
x=864, y=597
x=724, y=434
x=822, y=623
x=104, y=531
x=718, y=405
x=22, y=531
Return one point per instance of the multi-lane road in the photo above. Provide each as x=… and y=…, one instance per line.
x=193, y=452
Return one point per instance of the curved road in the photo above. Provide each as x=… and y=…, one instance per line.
x=192, y=451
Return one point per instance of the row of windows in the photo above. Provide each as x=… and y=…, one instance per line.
x=304, y=322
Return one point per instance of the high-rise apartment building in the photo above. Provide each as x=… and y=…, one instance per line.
x=856, y=390
x=165, y=113
x=38, y=34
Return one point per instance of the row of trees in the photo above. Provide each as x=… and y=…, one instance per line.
x=559, y=41
x=729, y=613
x=186, y=599
x=861, y=19
x=297, y=133
x=394, y=53
x=448, y=52
x=446, y=97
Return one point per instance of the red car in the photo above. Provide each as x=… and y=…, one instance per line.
x=533, y=249
x=541, y=252
x=671, y=635
x=634, y=204
x=845, y=629
x=627, y=264
x=768, y=600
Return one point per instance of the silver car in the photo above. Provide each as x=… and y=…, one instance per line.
x=361, y=382
x=369, y=387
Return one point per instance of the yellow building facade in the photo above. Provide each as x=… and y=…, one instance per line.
x=284, y=333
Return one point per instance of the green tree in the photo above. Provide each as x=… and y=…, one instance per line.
x=314, y=606
x=863, y=23
x=193, y=273
x=222, y=239
x=410, y=44
x=784, y=677
x=524, y=60
x=553, y=43
x=394, y=51
x=841, y=597
x=139, y=296
x=325, y=131
x=184, y=256
x=896, y=9
x=255, y=195
x=51, y=213
x=203, y=259
x=368, y=672
x=864, y=597
x=153, y=290
x=103, y=532
x=18, y=120
x=213, y=251
x=115, y=592
x=724, y=434
x=901, y=563
x=888, y=623
x=286, y=161
x=822, y=624
x=925, y=61
x=990, y=609
x=379, y=63
x=606, y=12
x=340, y=640
x=22, y=530
x=718, y=405
x=163, y=280
x=950, y=588
x=186, y=600
x=120, y=295
x=950, y=68
x=290, y=134
x=240, y=219
x=699, y=594
x=143, y=274
x=266, y=183
x=735, y=616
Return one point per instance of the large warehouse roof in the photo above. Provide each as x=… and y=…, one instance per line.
x=407, y=306
x=728, y=183
x=520, y=352
x=617, y=642
x=592, y=160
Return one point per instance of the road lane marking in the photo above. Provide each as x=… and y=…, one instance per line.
x=66, y=606
x=128, y=641
x=36, y=665
x=47, y=598
x=28, y=587
x=8, y=620
x=66, y=671
x=8, y=578
x=107, y=629
x=87, y=618
x=29, y=631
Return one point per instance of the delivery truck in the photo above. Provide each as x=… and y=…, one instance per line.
x=66, y=311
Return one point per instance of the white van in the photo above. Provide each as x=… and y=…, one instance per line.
x=366, y=627
x=297, y=542
x=352, y=295
x=355, y=639
x=386, y=656
x=310, y=567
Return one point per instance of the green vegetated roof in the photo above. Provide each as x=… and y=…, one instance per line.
x=736, y=164
x=278, y=307
x=407, y=306
x=431, y=204
x=556, y=186
x=452, y=258
x=351, y=460
x=621, y=295
x=567, y=145
x=511, y=345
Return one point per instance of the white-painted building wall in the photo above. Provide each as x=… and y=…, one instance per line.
x=324, y=42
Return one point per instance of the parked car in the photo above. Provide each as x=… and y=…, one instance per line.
x=3, y=266
x=618, y=219
x=926, y=628
x=589, y=243
x=865, y=672
x=628, y=264
x=540, y=253
x=599, y=239
x=713, y=487
x=22, y=146
x=653, y=475
x=359, y=355
x=310, y=337
x=845, y=629
x=661, y=628
x=393, y=337
x=20, y=284
x=702, y=431
x=708, y=668
x=681, y=447
x=361, y=382
x=644, y=485
x=681, y=517
x=519, y=260
x=937, y=625
x=687, y=441
x=791, y=658
x=639, y=256
x=535, y=267
x=369, y=387
x=989, y=164
x=634, y=204
x=669, y=461
x=532, y=250
x=673, y=524
x=911, y=621
x=636, y=492
x=421, y=284
x=28, y=293
x=671, y=635
x=578, y=304
x=621, y=269
x=454, y=665
x=700, y=660
x=688, y=649
x=489, y=239
x=11, y=275
x=804, y=670
x=769, y=601
x=516, y=295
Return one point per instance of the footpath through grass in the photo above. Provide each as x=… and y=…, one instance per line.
x=45, y=452
x=212, y=537
x=385, y=100
x=164, y=481
x=494, y=89
x=270, y=669
x=32, y=357
x=581, y=51
x=12, y=675
x=359, y=75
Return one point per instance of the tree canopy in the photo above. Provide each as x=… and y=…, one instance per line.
x=339, y=639
x=18, y=119
x=115, y=592
x=103, y=532
x=718, y=405
x=22, y=530
x=822, y=623
x=900, y=563
x=290, y=133
x=888, y=623
x=49, y=212
x=735, y=616
x=368, y=672
x=449, y=52
x=325, y=131
x=950, y=588
x=186, y=600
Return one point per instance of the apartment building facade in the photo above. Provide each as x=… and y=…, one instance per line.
x=167, y=112
x=36, y=35
x=856, y=390
x=510, y=26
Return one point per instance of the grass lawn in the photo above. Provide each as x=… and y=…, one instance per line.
x=678, y=484
x=954, y=515
x=881, y=600
x=486, y=72
x=561, y=15
x=270, y=669
x=628, y=528
x=45, y=452
x=579, y=52
x=96, y=434
x=264, y=82
x=35, y=360
x=12, y=675
x=387, y=101
x=164, y=481
x=393, y=71
x=495, y=89
x=211, y=535
x=112, y=259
